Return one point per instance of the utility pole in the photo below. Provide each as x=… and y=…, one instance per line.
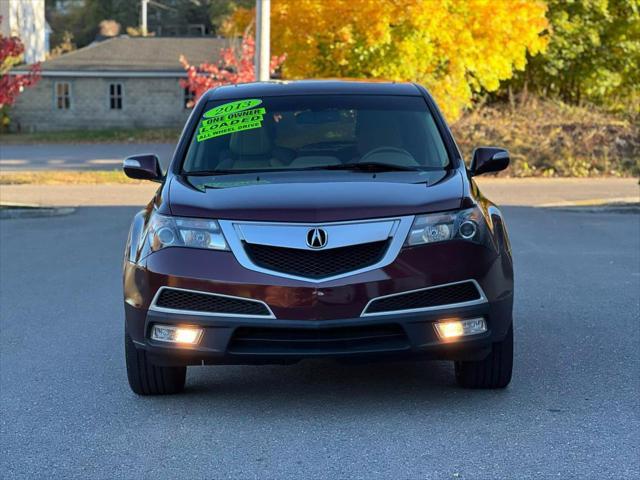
x=143, y=17
x=263, y=33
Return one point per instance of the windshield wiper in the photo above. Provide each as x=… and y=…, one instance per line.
x=369, y=167
x=211, y=173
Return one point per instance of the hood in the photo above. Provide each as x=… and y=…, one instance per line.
x=314, y=197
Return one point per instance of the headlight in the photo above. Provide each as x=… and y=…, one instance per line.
x=439, y=227
x=165, y=231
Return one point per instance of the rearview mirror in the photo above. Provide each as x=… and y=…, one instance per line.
x=489, y=159
x=143, y=167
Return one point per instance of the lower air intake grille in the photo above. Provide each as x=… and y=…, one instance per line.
x=209, y=303
x=431, y=297
x=316, y=263
x=318, y=341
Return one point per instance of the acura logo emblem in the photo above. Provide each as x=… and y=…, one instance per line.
x=317, y=238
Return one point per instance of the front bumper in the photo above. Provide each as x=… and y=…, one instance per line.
x=220, y=345
x=320, y=310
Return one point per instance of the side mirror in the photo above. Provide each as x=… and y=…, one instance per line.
x=489, y=159
x=143, y=167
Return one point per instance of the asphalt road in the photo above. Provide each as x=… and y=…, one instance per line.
x=572, y=410
x=60, y=156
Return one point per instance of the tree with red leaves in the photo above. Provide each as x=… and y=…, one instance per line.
x=11, y=49
x=235, y=66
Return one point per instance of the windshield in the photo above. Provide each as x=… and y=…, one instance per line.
x=316, y=132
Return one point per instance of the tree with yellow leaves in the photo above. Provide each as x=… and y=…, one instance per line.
x=453, y=47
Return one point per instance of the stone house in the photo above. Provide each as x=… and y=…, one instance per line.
x=123, y=82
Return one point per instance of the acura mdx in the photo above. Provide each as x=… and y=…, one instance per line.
x=313, y=219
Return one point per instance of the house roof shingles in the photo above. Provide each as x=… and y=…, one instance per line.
x=138, y=54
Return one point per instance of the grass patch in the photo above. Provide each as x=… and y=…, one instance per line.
x=114, y=135
x=64, y=177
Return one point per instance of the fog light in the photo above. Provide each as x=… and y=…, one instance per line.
x=451, y=329
x=184, y=335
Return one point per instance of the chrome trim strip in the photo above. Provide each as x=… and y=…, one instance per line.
x=288, y=235
x=398, y=230
x=156, y=308
x=482, y=299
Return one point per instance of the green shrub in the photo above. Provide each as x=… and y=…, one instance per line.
x=549, y=138
x=593, y=55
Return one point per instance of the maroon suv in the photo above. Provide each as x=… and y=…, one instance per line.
x=317, y=219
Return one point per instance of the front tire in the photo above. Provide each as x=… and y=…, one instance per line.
x=492, y=372
x=145, y=378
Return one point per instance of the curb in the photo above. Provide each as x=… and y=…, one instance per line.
x=619, y=208
x=598, y=205
x=593, y=202
x=21, y=210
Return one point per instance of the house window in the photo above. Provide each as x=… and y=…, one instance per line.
x=187, y=98
x=63, y=95
x=115, y=96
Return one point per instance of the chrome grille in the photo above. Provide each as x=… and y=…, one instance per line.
x=282, y=249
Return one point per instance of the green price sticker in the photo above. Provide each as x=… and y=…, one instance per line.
x=232, y=107
x=231, y=117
